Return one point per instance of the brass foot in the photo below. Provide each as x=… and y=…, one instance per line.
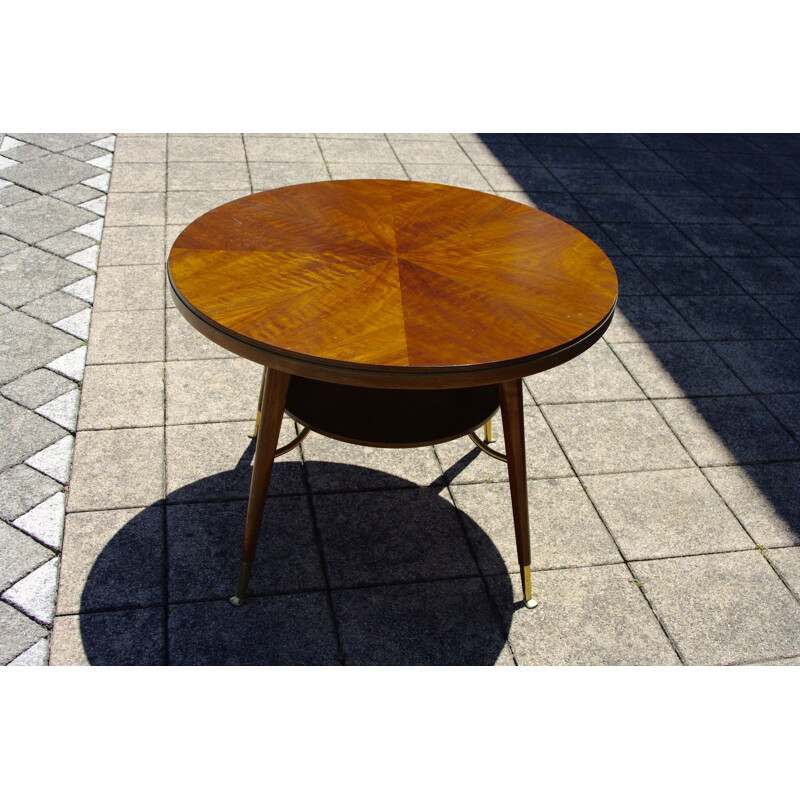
x=530, y=600
x=244, y=578
x=258, y=422
x=487, y=430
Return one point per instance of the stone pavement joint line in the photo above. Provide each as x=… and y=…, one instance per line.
x=52, y=204
x=663, y=463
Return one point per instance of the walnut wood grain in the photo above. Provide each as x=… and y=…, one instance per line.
x=374, y=277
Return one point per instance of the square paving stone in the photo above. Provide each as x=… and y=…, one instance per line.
x=692, y=209
x=596, y=374
x=260, y=148
x=665, y=513
x=465, y=176
x=49, y=173
x=619, y=208
x=266, y=175
x=687, y=276
x=499, y=154
x=632, y=281
x=115, y=638
x=204, y=148
x=19, y=633
x=117, y=469
x=785, y=308
x=764, y=366
x=126, y=336
x=26, y=344
x=622, y=436
x=185, y=207
x=133, y=148
x=207, y=176
x=37, y=388
x=661, y=183
x=786, y=561
x=112, y=560
x=58, y=142
x=564, y=527
x=591, y=181
x=21, y=555
x=54, y=307
x=626, y=159
x=141, y=244
x=678, y=369
x=390, y=536
x=23, y=433
x=512, y=179
x=139, y=177
x=762, y=212
x=22, y=488
x=786, y=407
x=729, y=317
x=764, y=498
x=185, y=343
x=463, y=462
x=363, y=151
x=335, y=466
x=214, y=462
x=586, y=616
x=573, y=157
x=288, y=630
x=729, y=184
x=122, y=396
x=642, y=239
x=42, y=217
x=31, y=273
x=647, y=319
x=212, y=390
x=723, y=608
x=347, y=172
x=205, y=544
x=136, y=208
x=129, y=288
x=439, y=623
x=727, y=430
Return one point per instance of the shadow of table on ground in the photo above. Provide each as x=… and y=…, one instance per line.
x=385, y=576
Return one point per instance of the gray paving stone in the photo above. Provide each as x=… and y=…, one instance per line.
x=647, y=319
x=786, y=561
x=727, y=430
x=31, y=273
x=35, y=656
x=207, y=176
x=117, y=469
x=464, y=175
x=665, y=513
x=389, y=536
x=26, y=343
x=764, y=366
x=54, y=460
x=63, y=410
x=112, y=560
x=431, y=137
x=212, y=390
x=763, y=275
x=122, y=396
x=45, y=521
x=19, y=633
x=723, y=608
x=586, y=616
x=427, y=152
x=23, y=433
x=729, y=317
x=462, y=462
x=688, y=276
x=129, y=288
x=341, y=172
x=136, y=208
x=290, y=630
x=785, y=308
x=78, y=193
x=335, y=135
x=143, y=244
x=596, y=374
x=15, y=194
x=40, y=218
x=498, y=154
x=266, y=175
x=205, y=543
x=211, y=462
x=36, y=388
x=185, y=207
x=358, y=151
x=514, y=179
x=21, y=555
x=126, y=337
x=22, y=488
x=59, y=141
x=49, y=173
x=678, y=369
x=564, y=527
x=25, y=152
x=9, y=245
x=55, y=307
x=116, y=638
x=86, y=152
x=413, y=624
x=66, y=244
x=186, y=343
x=622, y=436
x=139, y=177
x=260, y=148
x=133, y=148
x=786, y=407
x=764, y=499
x=35, y=594
x=204, y=148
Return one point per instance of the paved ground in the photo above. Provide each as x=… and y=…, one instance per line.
x=663, y=463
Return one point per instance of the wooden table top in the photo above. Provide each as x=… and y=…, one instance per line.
x=389, y=276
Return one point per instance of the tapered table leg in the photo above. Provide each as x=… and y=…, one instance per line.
x=260, y=399
x=513, y=429
x=273, y=403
